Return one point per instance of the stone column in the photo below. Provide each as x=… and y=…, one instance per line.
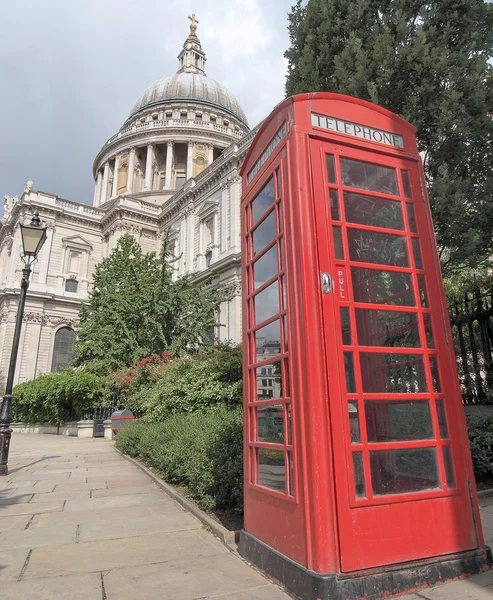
x=189, y=160
x=97, y=189
x=211, y=154
x=115, y=177
x=169, y=165
x=104, y=189
x=131, y=169
x=148, y=175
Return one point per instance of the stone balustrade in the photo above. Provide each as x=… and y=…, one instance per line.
x=172, y=123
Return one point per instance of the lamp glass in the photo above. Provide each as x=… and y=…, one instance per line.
x=33, y=239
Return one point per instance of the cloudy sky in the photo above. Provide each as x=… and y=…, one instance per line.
x=70, y=72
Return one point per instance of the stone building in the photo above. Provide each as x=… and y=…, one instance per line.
x=172, y=169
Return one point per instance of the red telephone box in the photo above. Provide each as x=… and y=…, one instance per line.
x=358, y=477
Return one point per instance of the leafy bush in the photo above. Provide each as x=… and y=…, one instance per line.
x=202, y=451
x=57, y=398
x=187, y=385
x=480, y=429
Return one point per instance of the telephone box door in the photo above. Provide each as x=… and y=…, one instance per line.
x=399, y=477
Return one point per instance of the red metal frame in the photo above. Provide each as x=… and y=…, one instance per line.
x=326, y=523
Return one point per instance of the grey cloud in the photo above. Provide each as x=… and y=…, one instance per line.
x=70, y=71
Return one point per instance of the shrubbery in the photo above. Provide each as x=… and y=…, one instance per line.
x=158, y=390
x=57, y=398
x=202, y=451
x=480, y=429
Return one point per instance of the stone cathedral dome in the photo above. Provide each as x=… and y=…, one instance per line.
x=177, y=128
x=189, y=86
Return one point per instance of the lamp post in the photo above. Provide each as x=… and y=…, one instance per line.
x=33, y=237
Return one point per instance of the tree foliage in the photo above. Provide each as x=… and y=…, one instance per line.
x=427, y=62
x=136, y=309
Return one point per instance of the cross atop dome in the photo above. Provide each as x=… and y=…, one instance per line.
x=192, y=58
x=193, y=24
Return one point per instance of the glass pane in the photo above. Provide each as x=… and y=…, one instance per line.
x=251, y=415
x=265, y=233
x=265, y=267
x=279, y=224
x=430, y=342
x=252, y=465
x=291, y=474
x=281, y=252
x=334, y=205
x=290, y=427
x=338, y=249
x=359, y=475
x=331, y=169
x=277, y=175
x=405, y=183
x=63, y=349
x=387, y=328
x=354, y=422
x=263, y=200
x=449, y=466
x=442, y=420
x=404, y=470
x=392, y=373
x=286, y=334
x=434, y=374
x=349, y=368
x=411, y=217
x=269, y=380
x=345, y=326
x=380, y=248
x=284, y=294
x=267, y=303
x=422, y=291
x=286, y=384
x=270, y=424
x=368, y=176
x=369, y=210
x=394, y=421
x=417, y=253
x=268, y=341
x=271, y=471
x=382, y=287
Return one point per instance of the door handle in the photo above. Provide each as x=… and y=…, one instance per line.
x=326, y=281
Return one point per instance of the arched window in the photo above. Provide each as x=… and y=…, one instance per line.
x=71, y=285
x=63, y=348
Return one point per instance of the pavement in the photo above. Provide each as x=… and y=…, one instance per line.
x=78, y=521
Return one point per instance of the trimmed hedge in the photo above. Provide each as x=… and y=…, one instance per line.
x=480, y=428
x=202, y=451
x=57, y=398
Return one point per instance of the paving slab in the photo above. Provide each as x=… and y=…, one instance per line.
x=126, y=491
x=30, y=509
x=116, y=501
x=122, y=528
x=204, y=577
x=75, y=587
x=35, y=538
x=111, y=554
x=18, y=522
x=79, y=485
x=11, y=564
x=63, y=495
x=150, y=510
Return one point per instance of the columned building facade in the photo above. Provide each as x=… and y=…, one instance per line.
x=172, y=170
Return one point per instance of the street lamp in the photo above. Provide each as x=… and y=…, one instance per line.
x=33, y=238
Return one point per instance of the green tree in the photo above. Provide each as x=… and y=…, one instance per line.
x=427, y=62
x=136, y=309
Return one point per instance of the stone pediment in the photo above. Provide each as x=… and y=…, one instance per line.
x=76, y=241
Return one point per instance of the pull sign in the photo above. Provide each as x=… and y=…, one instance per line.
x=326, y=283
